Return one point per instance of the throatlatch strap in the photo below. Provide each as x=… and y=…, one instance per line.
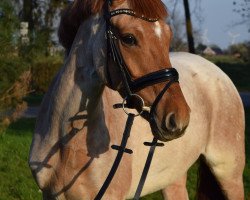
x=121, y=150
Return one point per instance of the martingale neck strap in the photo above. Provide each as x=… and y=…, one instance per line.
x=152, y=145
x=121, y=150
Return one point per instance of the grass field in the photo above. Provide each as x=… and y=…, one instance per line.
x=16, y=182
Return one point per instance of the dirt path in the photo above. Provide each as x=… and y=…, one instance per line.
x=31, y=112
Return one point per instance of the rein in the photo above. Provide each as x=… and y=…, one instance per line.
x=131, y=86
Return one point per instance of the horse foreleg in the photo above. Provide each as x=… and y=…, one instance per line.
x=177, y=190
x=233, y=188
x=230, y=180
x=222, y=180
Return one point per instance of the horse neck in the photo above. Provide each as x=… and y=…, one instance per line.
x=75, y=85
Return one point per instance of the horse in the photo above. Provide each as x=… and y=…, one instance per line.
x=198, y=117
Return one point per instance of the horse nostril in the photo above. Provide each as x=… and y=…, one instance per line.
x=170, y=123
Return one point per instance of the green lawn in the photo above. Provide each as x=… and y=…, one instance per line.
x=16, y=181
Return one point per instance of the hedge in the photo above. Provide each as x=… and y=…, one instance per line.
x=43, y=70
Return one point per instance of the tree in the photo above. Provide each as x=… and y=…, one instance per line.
x=189, y=28
x=243, y=9
x=243, y=49
x=43, y=17
x=21, y=62
x=178, y=23
x=27, y=15
x=15, y=74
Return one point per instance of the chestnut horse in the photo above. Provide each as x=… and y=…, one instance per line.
x=70, y=155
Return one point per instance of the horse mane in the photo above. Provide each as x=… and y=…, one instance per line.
x=80, y=10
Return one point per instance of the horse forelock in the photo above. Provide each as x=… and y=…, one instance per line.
x=81, y=10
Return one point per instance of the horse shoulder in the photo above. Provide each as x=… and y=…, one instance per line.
x=208, y=89
x=212, y=95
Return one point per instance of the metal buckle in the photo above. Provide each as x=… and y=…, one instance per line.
x=139, y=99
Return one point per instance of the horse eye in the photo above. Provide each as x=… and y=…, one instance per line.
x=129, y=40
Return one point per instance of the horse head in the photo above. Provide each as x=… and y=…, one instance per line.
x=138, y=60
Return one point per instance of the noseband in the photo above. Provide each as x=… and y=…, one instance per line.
x=169, y=75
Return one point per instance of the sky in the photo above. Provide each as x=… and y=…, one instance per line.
x=218, y=20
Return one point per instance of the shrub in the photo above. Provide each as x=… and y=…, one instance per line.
x=15, y=73
x=11, y=101
x=236, y=68
x=224, y=59
x=243, y=49
x=43, y=71
x=8, y=27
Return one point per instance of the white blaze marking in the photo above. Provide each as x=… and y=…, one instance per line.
x=158, y=30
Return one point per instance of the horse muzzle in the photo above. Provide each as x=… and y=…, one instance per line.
x=169, y=128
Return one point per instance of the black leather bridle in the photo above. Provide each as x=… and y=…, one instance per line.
x=130, y=86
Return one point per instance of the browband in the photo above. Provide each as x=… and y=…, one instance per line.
x=131, y=13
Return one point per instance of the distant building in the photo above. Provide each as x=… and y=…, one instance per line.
x=217, y=50
x=209, y=50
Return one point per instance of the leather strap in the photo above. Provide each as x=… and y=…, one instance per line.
x=121, y=150
x=152, y=145
x=131, y=13
x=153, y=78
